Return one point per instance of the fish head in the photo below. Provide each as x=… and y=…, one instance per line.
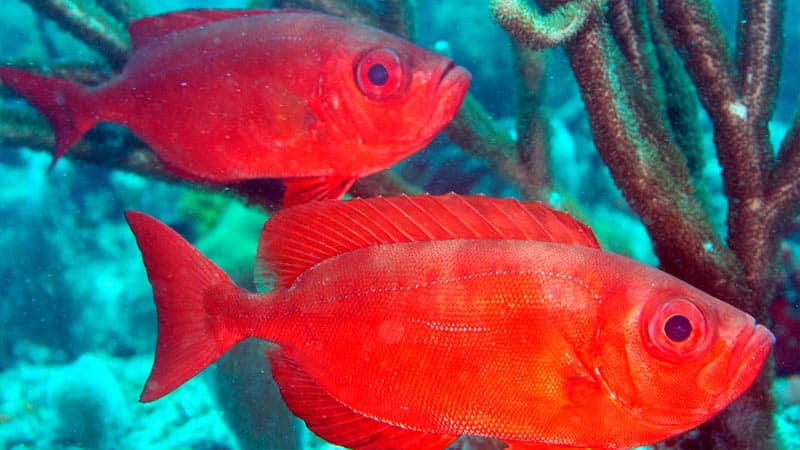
x=388, y=95
x=672, y=356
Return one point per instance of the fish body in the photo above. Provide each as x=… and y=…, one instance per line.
x=407, y=322
x=226, y=96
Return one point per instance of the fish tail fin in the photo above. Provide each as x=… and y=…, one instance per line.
x=194, y=299
x=66, y=105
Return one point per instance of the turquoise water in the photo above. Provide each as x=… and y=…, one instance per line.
x=77, y=321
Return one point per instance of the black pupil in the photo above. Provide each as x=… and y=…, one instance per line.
x=378, y=75
x=678, y=328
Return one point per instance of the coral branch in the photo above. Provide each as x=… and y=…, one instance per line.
x=124, y=11
x=386, y=183
x=759, y=58
x=539, y=31
x=784, y=187
x=532, y=130
x=20, y=128
x=474, y=131
x=398, y=17
x=92, y=25
x=694, y=28
x=646, y=164
x=740, y=135
x=83, y=72
x=45, y=38
x=395, y=16
x=632, y=34
x=679, y=95
x=741, y=146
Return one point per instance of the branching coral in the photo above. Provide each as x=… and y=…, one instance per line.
x=635, y=99
x=96, y=26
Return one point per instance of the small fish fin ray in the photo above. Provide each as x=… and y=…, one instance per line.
x=297, y=238
x=338, y=424
x=185, y=285
x=66, y=105
x=148, y=29
x=304, y=190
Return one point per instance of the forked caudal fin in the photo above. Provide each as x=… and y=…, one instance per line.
x=190, y=293
x=65, y=104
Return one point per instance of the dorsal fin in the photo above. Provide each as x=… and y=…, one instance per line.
x=148, y=29
x=297, y=238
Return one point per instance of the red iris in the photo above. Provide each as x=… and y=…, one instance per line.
x=676, y=329
x=379, y=73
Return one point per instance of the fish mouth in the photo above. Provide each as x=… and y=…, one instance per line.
x=454, y=81
x=450, y=91
x=750, y=350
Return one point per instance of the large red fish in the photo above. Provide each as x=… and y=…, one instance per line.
x=402, y=323
x=226, y=96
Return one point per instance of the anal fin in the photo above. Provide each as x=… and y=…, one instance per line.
x=338, y=424
x=303, y=190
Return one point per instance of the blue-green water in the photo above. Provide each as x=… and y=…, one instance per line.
x=77, y=321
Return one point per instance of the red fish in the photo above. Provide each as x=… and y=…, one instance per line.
x=226, y=96
x=406, y=322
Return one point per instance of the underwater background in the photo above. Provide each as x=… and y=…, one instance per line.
x=77, y=321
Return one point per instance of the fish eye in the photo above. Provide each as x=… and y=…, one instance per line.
x=675, y=330
x=379, y=73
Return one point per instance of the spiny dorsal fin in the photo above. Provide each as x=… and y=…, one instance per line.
x=297, y=238
x=148, y=29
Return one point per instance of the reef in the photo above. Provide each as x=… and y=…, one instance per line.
x=644, y=69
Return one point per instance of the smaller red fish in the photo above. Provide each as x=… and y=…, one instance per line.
x=403, y=323
x=227, y=96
